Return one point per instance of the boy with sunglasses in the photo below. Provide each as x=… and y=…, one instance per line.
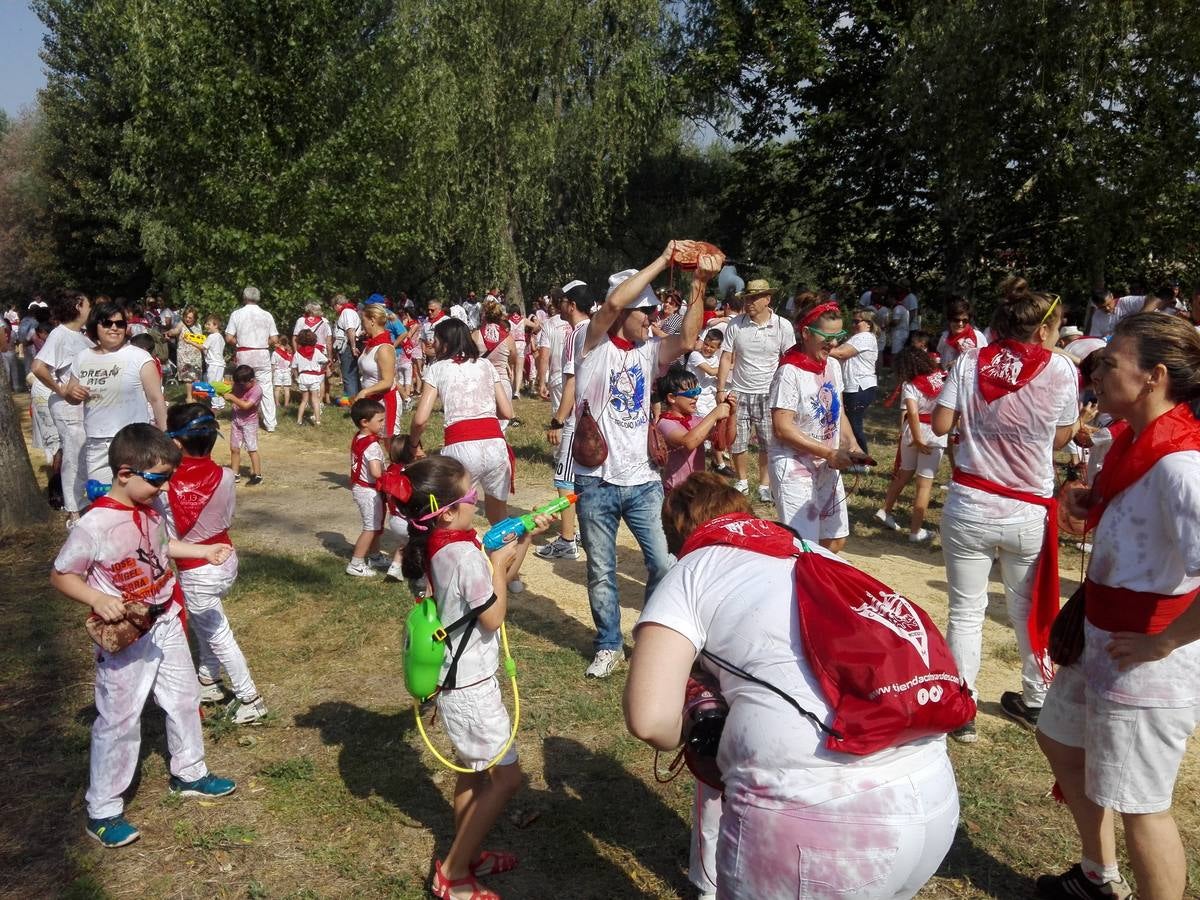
x=118, y=553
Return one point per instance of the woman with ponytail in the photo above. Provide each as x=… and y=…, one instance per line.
x=1116, y=722
x=1016, y=403
x=377, y=367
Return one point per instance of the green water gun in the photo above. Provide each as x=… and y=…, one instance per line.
x=515, y=526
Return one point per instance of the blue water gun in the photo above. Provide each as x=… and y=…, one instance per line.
x=95, y=489
x=513, y=527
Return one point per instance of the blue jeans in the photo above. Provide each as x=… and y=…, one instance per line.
x=856, y=409
x=601, y=508
x=349, y=363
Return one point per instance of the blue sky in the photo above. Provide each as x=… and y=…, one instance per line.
x=20, y=68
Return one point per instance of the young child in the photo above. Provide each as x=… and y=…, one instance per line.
x=243, y=428
x=366, y=465
x=444, y=548
x=704, y=363
x=920, y=451
x=199, y=508
x=393, y=485
x=214, y=357
x=118, y=552
x=281, y=374
x=309, y=363
x=682, y=428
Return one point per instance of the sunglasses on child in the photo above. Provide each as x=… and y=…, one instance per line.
x=690, y=392
x=154, y=479
x=826, y=336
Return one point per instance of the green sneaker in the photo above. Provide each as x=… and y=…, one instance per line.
x=112, y=832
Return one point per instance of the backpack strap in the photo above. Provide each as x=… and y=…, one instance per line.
x=467, y=623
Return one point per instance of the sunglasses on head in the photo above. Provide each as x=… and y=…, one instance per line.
x=828, y=337
x=154, y=479
x=112, y=323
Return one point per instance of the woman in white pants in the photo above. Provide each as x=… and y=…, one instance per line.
x=1018, y=403
x=52, y=367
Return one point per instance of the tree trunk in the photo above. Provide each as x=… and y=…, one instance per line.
x=513, y=291
x=23, y=504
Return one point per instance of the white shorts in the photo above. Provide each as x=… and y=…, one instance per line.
x=398, y=526
x=311, y=383
x=1131, y=753
x=564, y=463
x=555, y=396
x=487, y=461
x=281, y=379
x=45, y=432
x=477, y=723
x=403, y=370
x=370, y=507
x=924, y=464
x=814, y=504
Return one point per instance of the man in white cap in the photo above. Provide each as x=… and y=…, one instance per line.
x=750, y=353
x=614, y=377
x=252, y=333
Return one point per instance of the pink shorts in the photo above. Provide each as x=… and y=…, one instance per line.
x=244, y=433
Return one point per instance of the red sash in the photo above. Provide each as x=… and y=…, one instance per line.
x=801, y=360
x=186, y=565
x=1120, y=609
x=249, y=349
x=1046, y=595
x=284, y=354
x=1008, y=366
x=358, y=447
x=481, y=430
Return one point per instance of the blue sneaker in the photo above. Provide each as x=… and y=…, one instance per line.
x=114, y=831
x=208, y=786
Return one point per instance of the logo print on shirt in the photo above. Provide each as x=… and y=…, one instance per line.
x=627, y=396
x=1005, y=366
x=151, y=559
x=895, y=613
x=825, y=409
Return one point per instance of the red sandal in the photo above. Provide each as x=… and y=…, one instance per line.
x=442, y=886
x=494, y=862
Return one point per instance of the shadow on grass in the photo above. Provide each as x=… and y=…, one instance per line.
x=983, y=871
x=541, y=616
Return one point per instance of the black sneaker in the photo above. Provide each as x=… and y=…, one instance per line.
x=1074, y=885
x=1014, y=707
x=725, y=472
x=966, y=734
x=254, y=479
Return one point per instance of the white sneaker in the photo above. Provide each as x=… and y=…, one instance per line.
x=604, y=663
x=1084, y=547
x=886, y=520
x=360, y=570
x=764, y=494
x=919, y=537
x=248, y=713
x=558, y=549
x=742, y=486
x=394, y=572
x=516, y=586
x=211, y=691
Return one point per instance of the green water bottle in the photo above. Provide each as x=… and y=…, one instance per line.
x=424, y=650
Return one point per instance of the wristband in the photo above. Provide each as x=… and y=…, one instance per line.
x=555, y=425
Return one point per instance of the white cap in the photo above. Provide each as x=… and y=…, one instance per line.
x=1070, y=331
x=571, y=285
x=644, y=300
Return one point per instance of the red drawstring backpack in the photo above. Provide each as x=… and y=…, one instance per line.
x=882, y=664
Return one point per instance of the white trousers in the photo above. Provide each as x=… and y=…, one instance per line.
x=706, y=830
x=158, y=664
x=95, y=455
x=69, y=422
x=266, y=408
x=203, y=590
x=969, y=548
x=212, y=375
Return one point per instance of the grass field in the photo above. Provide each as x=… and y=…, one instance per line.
x=336, y=795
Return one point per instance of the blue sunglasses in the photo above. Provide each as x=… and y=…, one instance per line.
x=154, y=479
x=690, y=392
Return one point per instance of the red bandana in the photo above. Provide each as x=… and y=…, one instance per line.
x=619, y=342
x=493, y=336
x=442, y=537
x=742, y=530
x=441, y=315
x=685, y=421
x=314, y=321
x=1008, y=366
x=138, y=509
x=801, y=360
x=964, y=340
x=1130, y=458
x=817, y=311
x=930, y=385
x=384, y=337
x=284, y=352
x=345, y=306
x=195, y=480
x=306, y=352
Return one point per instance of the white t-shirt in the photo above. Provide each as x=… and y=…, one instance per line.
x=368, y=369
x=816, y=404
x=859, y=371
x=900, y=320
x=214, y=351
x=1009, y=441
x=554, y=336
x=310, y=372
x=321, y=330
x=574, y=347
x=925, y=407
x=375, y=452
x=62, y=345
x=467, y=389
x=1081, y=348
x=427, y=327
x=706, y=383
x=462, y=580
x=472, y=314
x=114, y=555
x=741, y=606
x=756, y=350
x=115, y=381
x=617, y=385
x=1103, y=322
x=252, y=327
x=948, y=354
x=1146, y=541
x=348, y=318
x=280, y=364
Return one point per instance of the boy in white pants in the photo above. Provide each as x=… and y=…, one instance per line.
x=199, y=508
x=119, y=552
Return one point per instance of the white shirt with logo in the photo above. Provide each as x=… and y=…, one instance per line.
x=617, y=385
x=115, y=381
x=815, y=402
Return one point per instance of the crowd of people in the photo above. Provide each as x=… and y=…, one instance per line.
x=657, y=400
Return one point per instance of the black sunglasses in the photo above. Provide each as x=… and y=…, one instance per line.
x=112, y=323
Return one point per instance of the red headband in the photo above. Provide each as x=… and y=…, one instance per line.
x=817, y=311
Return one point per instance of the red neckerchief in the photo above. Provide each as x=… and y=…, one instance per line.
x=516, y=318
x=138, y=509
x=313, y=321
x=964, y=340
x=1130, y=458
x=930, y=385
x=190, y=489
x=306, y=352
x=801, y=360
x=441, y=315
x=685, y=421
x=442, y=537
x=345, y=306
x=1008, y=366
x=619, y=342
x=287, y=354
x=384, y=337
x=744, y=531
x=493, y=336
